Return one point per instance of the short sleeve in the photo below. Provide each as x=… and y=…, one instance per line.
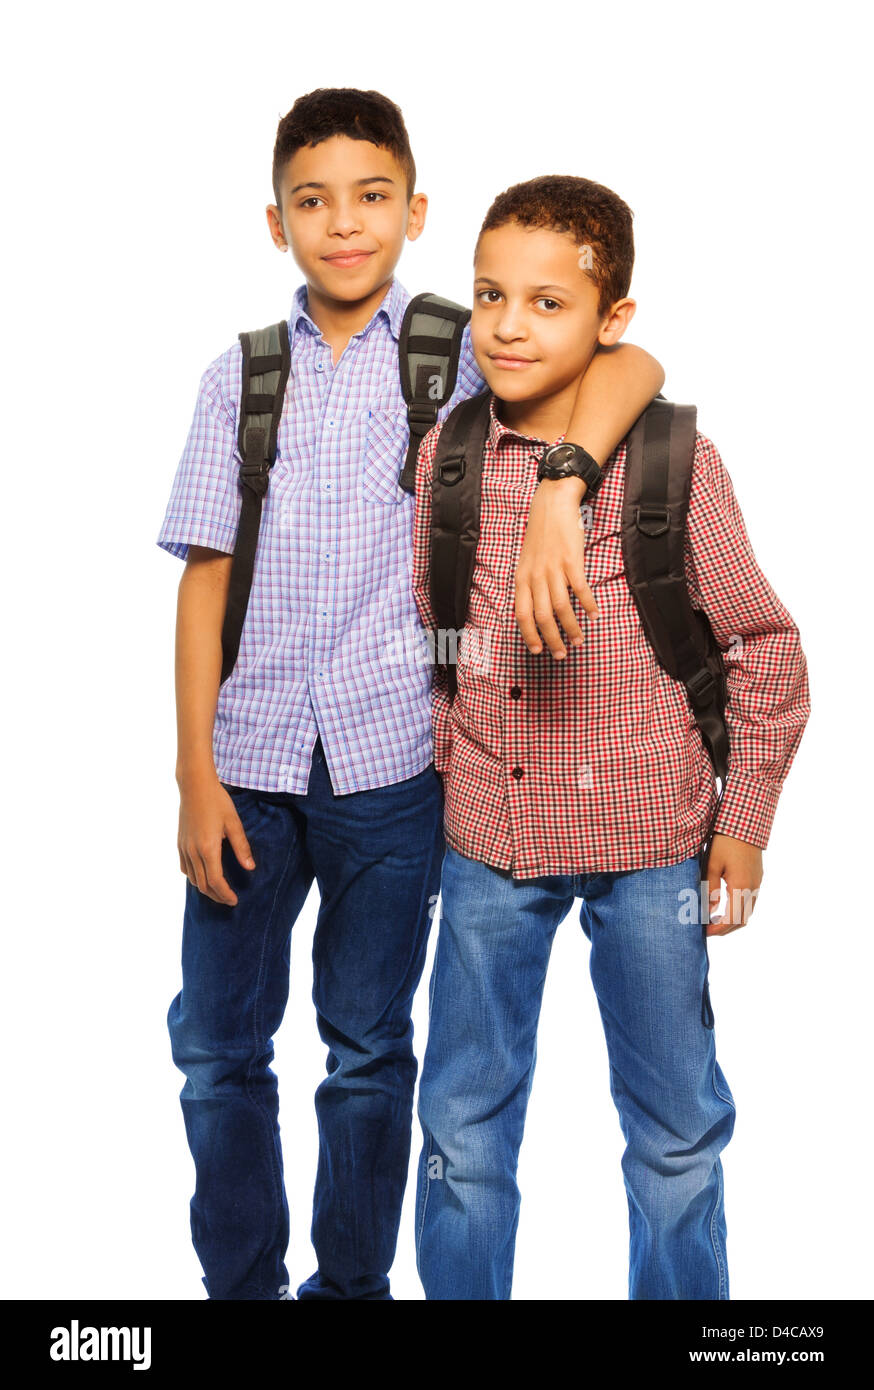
x=204, y=504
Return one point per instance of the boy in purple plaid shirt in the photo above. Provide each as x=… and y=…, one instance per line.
x=313, y=760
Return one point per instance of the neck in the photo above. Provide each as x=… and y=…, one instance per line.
x=545, y=417
x=338, y=319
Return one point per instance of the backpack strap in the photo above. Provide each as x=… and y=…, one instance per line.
x=455, y=521
x=658, y=480
x=428, y=352
x=266, y=366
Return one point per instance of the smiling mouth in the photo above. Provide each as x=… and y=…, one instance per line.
x=509, y=362
x=348, y=259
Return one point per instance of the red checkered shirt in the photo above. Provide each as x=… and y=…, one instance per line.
x=595, y=763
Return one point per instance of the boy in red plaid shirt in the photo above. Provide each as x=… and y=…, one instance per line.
x=586, y=778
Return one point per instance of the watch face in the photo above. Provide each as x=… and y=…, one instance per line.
x=559, y=455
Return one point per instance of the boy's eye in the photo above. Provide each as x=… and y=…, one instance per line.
x=311, y=201
x=483, y=295
x=375, y=194
x=550, y=304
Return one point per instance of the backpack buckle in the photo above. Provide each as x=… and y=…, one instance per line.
x=652, y=521
x=255, y=476
x=452, y=470
x=702, y=687
x=422, y=415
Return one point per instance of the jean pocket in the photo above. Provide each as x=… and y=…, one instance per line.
x=385, y=451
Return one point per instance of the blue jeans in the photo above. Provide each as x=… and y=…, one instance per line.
x=648, y=964
x=376, y=856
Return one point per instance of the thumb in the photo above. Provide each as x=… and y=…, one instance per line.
x=238, y=842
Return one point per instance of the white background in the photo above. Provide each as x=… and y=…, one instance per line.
x=137, y=172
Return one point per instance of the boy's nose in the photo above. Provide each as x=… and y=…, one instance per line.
x=344, y=222
x=509, y=327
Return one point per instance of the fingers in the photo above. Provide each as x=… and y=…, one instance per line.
x=207, y=817
x=739, y=909
x=192, y=867
x=723, y=930
x=525, y=615
x=714, y=888
x=545, y=602
x=202, y=867
x=564, y=612
x=544, y=616
x=215, y=884
x=238, y=842
x=576, y=578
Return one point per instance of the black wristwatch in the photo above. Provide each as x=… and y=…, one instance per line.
x=567, y=461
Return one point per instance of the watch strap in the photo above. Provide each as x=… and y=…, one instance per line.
x=582, y=465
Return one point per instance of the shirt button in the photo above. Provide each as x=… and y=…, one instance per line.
x=517, y=773
x=516, y=692
x=320, y=366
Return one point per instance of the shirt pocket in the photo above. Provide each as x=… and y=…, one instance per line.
x=384, y=453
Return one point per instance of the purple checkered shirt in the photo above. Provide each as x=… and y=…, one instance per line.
x=327, y=640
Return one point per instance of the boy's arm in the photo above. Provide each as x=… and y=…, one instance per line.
x=422, y=593
x=207, y=813
x=768, y=701
x=200, y=527
x=617, y=387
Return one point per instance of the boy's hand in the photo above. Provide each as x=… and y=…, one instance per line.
x=206, y=815
x=740, y=864
x=551, y=560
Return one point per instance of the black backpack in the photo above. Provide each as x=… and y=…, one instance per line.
x=658, y=474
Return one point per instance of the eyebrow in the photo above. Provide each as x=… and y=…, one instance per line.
x=534, y=289
x=359, y=183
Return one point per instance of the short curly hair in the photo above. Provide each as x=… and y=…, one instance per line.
x=347, y=111
x=593, y=215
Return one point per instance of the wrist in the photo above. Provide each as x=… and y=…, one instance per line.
x=192, y=773
x=572, y=487
x=569, y=460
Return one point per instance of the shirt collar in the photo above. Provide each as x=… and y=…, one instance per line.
x=498, y=432
x=392, y=309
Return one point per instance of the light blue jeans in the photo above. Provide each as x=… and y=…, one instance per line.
x=649, y=965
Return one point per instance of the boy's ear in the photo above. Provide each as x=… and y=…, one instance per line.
x=274, y=223
x=416, y=218
x=619, y=317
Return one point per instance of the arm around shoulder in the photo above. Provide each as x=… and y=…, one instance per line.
x=616, y=388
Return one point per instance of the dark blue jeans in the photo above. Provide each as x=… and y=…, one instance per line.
x=376, y=856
